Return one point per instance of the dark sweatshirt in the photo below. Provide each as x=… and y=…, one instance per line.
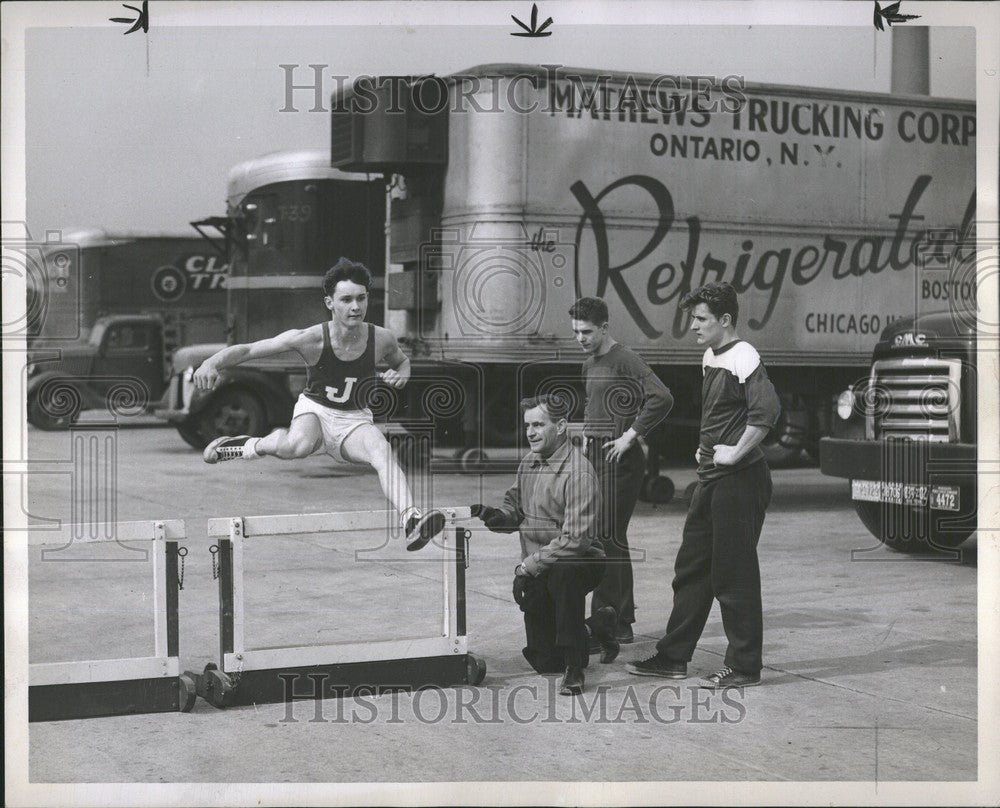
x=622, y=392
x=736, y=393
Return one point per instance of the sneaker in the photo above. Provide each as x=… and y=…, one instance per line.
x=624, y=634
x=727, y=677
x=602, y=634
x=572, y=682
x=658, y=665
x=228, y=447
x=421, y=529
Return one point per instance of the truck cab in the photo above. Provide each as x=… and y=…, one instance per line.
x=106, y=309
x=905, y=437
x=289, y=217
x=120, y=365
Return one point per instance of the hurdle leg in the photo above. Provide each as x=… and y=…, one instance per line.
x=105, y=687
x=462, y=536
x=475, y=666
x=247, y=676
x=213, y=684
x=187, y=691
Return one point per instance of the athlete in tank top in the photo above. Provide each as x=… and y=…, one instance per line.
x=331, y=415
x=335, y=382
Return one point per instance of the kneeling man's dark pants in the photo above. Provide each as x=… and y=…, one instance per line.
x=554, y=605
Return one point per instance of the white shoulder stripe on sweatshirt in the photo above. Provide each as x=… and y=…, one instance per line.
x=741, y=360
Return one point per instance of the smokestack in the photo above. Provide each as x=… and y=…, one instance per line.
x=911, y=63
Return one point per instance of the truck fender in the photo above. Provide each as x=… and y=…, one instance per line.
x=276, y=399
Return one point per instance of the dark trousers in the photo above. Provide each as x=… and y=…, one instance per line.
x=554, y=604
x=620, y=484
x=718, y=559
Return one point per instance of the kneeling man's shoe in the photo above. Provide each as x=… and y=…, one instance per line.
x=727, y=677
x=572, y=681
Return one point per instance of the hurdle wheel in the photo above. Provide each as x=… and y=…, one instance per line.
x=475, y=669
x=188, y=691
x=215, y=686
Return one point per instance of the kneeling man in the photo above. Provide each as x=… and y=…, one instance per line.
x=554, y=504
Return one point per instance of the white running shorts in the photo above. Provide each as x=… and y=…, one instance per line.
x=336, y=424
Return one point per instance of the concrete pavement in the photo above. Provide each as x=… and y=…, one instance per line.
x=871, y=668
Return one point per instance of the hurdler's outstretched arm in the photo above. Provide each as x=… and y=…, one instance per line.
x=206, y=376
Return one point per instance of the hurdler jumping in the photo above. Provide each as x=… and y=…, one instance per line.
x=330, y=414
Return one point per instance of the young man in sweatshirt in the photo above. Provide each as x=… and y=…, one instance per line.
x=717, y=559
x=625, y=400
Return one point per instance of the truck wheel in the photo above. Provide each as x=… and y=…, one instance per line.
x=232, y=412
x=54, y=406
x=473, y=460
x=783, y=445
x=657, y=489
x=192, y=437
x=898, y=527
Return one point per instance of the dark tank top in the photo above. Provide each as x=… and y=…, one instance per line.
x=337, y=384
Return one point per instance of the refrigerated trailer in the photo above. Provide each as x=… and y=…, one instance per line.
x=513, y=189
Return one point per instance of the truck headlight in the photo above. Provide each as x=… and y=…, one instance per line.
x=187, y=387
x=845, y=404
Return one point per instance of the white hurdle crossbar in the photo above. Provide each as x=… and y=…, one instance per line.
x=236, y=658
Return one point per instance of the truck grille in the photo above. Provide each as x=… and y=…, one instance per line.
x=915, y=398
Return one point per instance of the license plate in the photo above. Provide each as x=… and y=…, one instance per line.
x=941, y=497
x=945, y=498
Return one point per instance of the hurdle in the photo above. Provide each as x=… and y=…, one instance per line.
x=247, y=676
x=104, y=687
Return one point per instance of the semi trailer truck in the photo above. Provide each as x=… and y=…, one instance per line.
x=487, y=201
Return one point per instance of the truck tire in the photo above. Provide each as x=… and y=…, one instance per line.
x=783, y=445
x=192, y=437
x=232, y=411
x=894, y=526
x=54, y=406
x=473, y=460
x=657, y=489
